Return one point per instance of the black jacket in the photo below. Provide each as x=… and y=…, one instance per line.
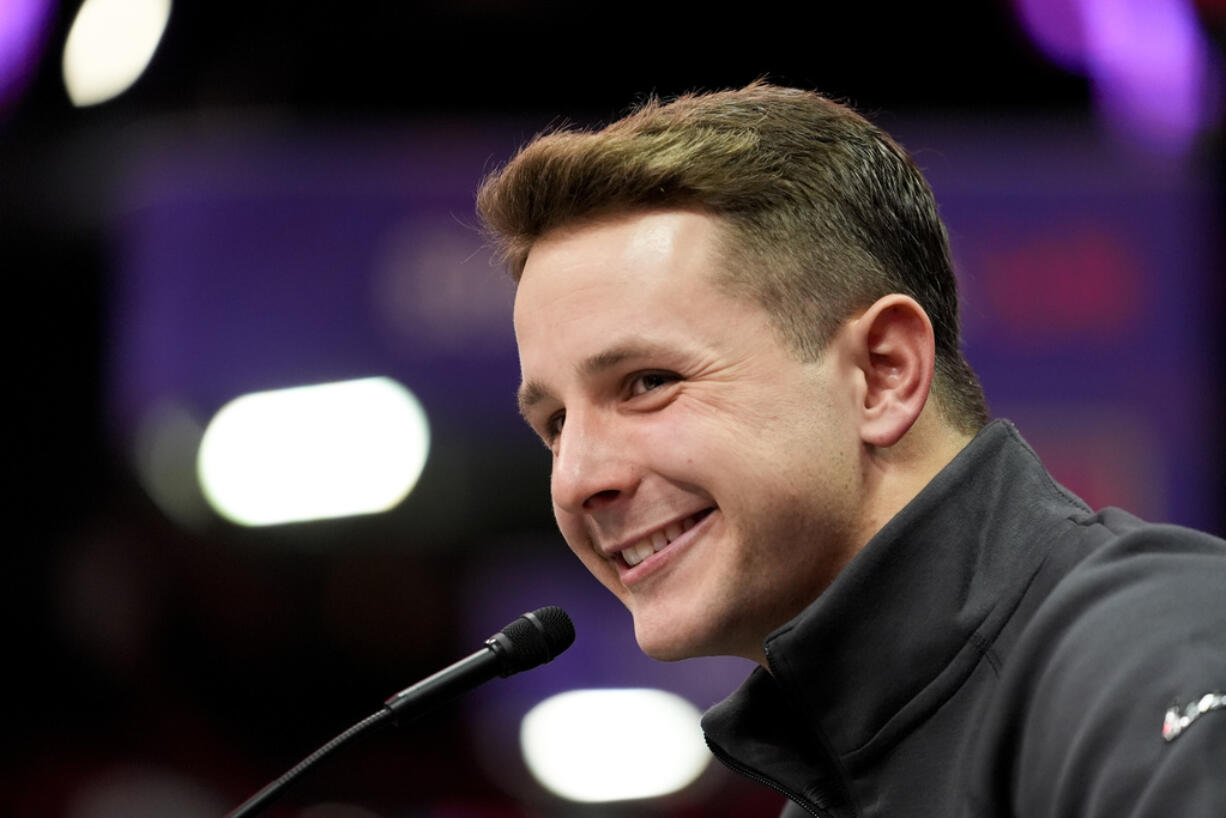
x=998, y=649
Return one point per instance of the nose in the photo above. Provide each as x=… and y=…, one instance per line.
x=592, y=468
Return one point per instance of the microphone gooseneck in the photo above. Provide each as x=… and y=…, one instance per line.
x=530, y=641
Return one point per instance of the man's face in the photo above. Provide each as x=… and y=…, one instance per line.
x=701, y=472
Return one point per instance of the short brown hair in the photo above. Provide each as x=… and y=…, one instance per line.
x=827, y=213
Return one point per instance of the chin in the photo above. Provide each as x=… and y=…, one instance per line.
x=671, y=644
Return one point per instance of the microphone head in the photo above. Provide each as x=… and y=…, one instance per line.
x=533, y=639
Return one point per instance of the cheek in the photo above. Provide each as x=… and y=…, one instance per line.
x=683, y=438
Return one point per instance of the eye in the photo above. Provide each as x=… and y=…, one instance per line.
x=553, y=426
x=646, y=382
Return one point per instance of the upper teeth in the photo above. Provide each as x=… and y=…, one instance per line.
x=654, y=541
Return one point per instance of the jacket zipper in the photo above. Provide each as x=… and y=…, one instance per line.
x=754, y=775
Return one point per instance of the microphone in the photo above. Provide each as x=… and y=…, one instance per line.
x=530, y=641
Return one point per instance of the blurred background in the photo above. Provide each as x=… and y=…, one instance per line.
x=206, y=201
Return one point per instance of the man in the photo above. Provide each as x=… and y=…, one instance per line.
x=737, y=324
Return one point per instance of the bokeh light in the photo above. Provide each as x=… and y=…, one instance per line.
x=614, y=745
x=314, y=452
x=109, y=46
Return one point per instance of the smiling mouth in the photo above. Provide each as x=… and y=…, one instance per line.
x=660, y=539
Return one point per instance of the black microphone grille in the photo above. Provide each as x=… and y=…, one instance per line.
x=536, y=638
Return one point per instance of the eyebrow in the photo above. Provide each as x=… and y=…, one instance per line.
x=533, y=392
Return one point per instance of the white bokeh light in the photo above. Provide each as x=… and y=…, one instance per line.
x=614, y=745
x=109, y=46
x=314, y=452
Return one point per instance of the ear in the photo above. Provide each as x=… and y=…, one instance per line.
x=896, y=352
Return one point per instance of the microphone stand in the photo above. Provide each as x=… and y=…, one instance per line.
x=264, y=797
x=529, y=641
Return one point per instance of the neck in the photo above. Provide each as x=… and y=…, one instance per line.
x=893, y=476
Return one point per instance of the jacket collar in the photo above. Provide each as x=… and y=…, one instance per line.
x=910, y=616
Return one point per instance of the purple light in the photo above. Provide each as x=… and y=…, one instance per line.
x=1057, y=28
x=1154, y=73
x=23, y=28
x=1151, y=67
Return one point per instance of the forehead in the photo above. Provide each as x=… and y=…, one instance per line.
x=636, y=281
x=636, y=255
